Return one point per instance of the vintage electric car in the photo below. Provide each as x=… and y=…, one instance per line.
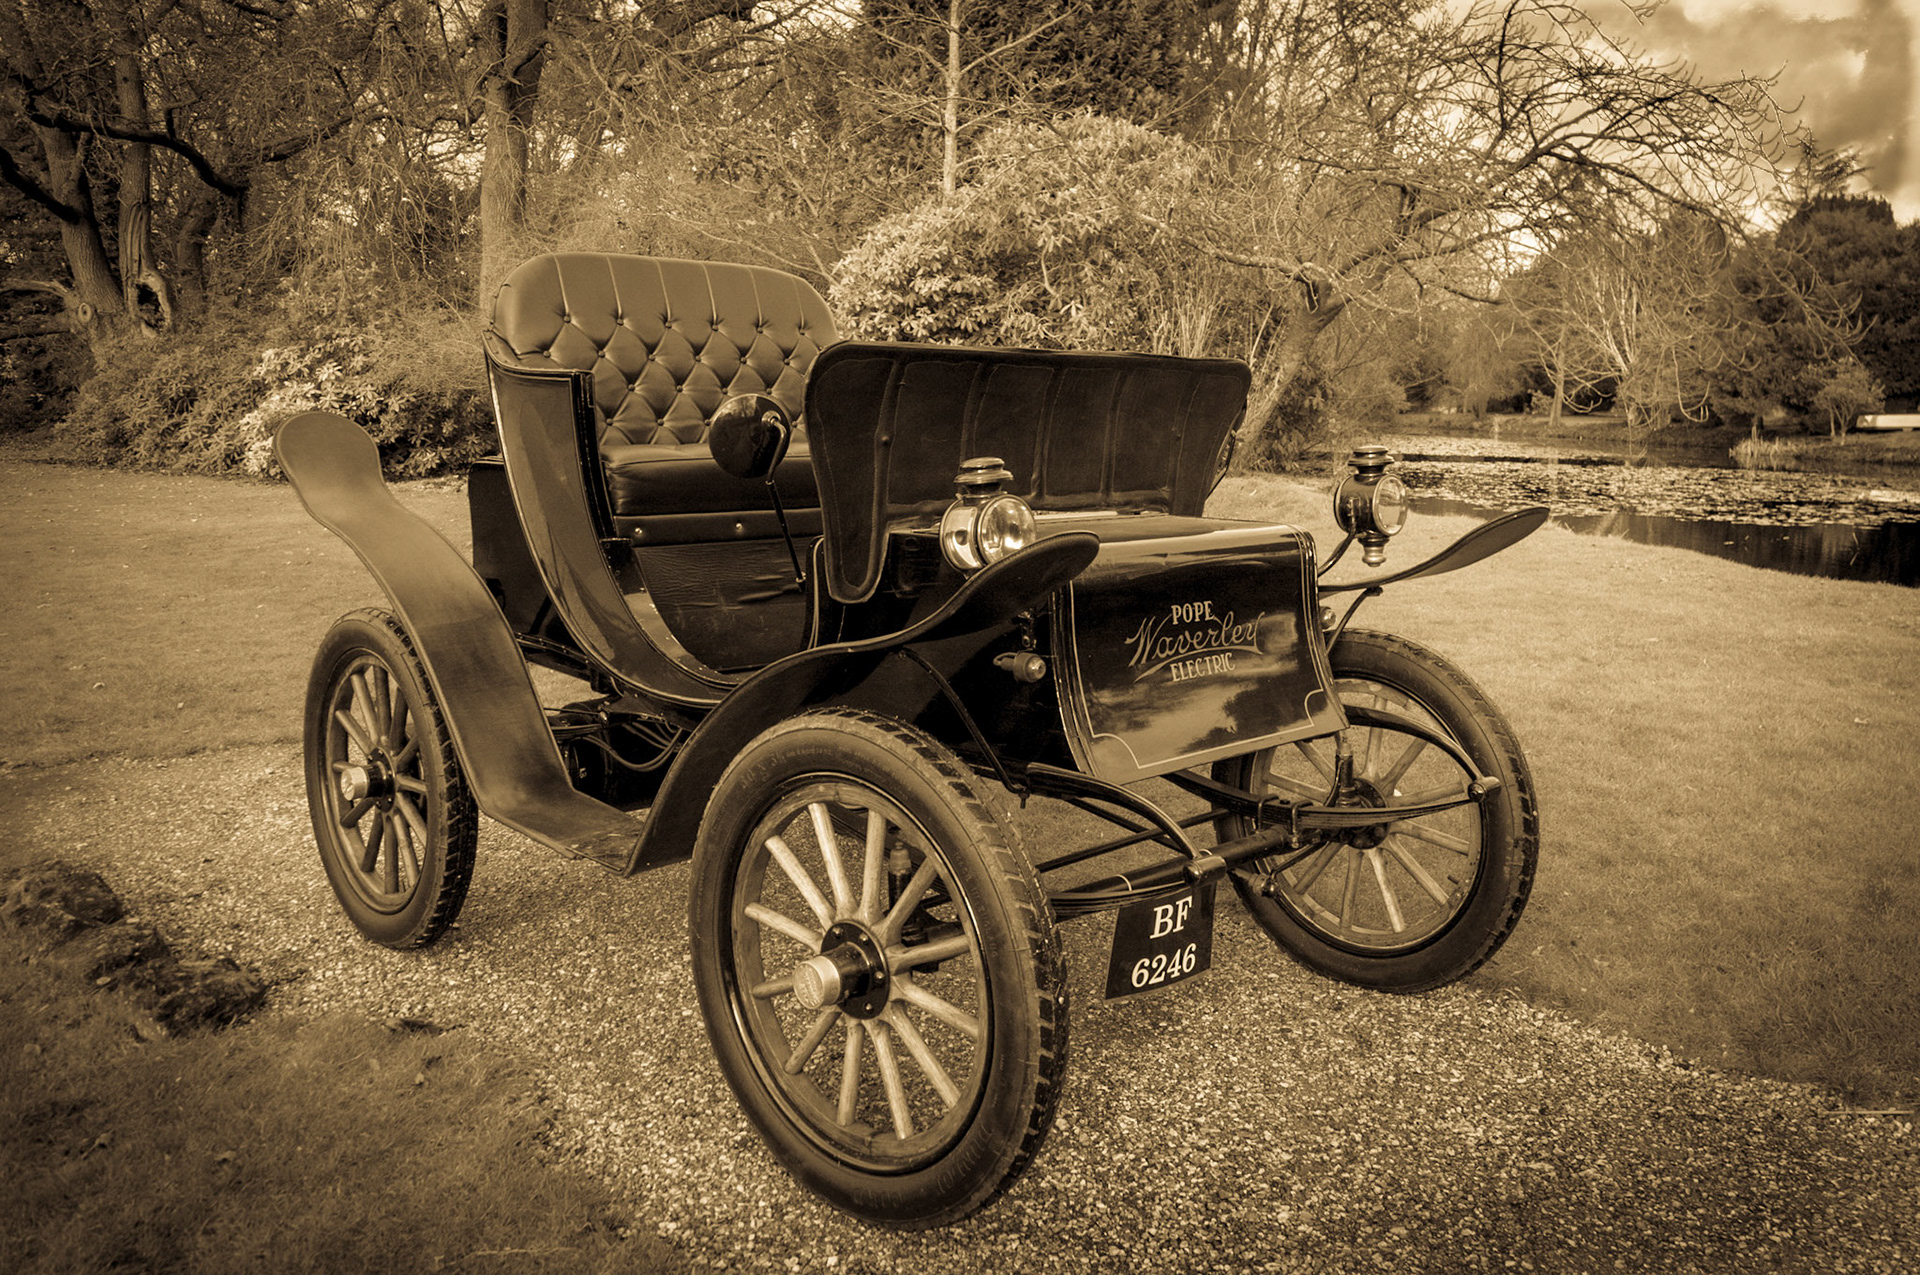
x=843, y=608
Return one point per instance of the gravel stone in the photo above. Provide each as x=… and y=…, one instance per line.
x=1256, y=1119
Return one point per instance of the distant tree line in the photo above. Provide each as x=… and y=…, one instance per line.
x=214, y=211
x=1805, y=327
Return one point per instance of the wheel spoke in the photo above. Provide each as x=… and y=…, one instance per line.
x=400, y=727
x=1364, y=750
x=415, y=828
x=407, y=783
x=947, y=1012
x=1389, y=779
x=809, y=939
x=356, y=812
x=411, y=749
x=375, y=836
x=850, y=1073
x=1312, y=754
x=355, y=731
x=803, y=1051
x=773, y=987
x=411, y=814
x=790, y=865
x=889, y=1068
x=1432, y=836
x=906, y=958
x=391, y=877
x=410, y=874
x=830, y=855
x=1310, y=792
x=1387, y=895
x=916, y=889
x=922, y=1056
x=369, y=705
x=382, y=682
x=1415, y=870
x=1352, y=884
x=1327, y=854
x=873, y=867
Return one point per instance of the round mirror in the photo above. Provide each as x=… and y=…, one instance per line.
x=748, y=435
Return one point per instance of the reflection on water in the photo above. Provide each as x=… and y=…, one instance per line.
x=1888, y=553
x=1815, y=524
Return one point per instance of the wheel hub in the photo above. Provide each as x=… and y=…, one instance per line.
x=1358, y=792
x=375, y=780
x=850, y=972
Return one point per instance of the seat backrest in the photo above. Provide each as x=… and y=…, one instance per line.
x=666, y=341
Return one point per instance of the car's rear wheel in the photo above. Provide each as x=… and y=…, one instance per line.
x=878, y=968
x=1407, y=904
x=391, y=812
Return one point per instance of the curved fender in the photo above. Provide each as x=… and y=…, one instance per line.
x=471, y=658
x=1483, y=541
x=992, y=596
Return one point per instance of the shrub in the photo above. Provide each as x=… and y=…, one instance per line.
x=1080, y=235
x=1294, y=417
x=1046, y=247
x=38, y=378
x=208, y=402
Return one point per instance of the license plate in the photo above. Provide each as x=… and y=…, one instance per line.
x=1162, y=942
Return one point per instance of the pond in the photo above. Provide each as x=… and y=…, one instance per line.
x=1852, y=527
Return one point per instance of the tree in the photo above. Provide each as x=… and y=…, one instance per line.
x=124, y=114
x=1353, y=142
x=1853, y=243
x=1792, y=333
x=1850, y=391
x=1649, y=313
x=950, y=68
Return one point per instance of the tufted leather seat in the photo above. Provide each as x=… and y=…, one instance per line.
x=666, y=342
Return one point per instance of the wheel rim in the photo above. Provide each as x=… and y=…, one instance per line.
x=1389, y=887
x=857, y=977
x=377, y=790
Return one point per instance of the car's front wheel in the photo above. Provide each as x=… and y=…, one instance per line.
x=878, y=968
x=1408, y=903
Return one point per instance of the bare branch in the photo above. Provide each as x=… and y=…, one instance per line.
x=28, y=185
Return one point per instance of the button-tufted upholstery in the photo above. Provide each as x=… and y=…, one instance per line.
x=666, y=342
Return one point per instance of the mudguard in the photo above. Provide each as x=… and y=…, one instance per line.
x=472, y=661
x=1482, y=542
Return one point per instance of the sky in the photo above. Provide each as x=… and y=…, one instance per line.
x=1853, y=66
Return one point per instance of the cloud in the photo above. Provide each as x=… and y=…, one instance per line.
x=1849, y=66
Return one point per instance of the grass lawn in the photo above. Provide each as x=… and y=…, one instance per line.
x=1729, y=789
x=1729, y=782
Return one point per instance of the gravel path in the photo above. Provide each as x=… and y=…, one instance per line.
x=1257, y=1119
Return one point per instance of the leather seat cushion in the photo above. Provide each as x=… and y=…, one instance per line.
x=682, y=478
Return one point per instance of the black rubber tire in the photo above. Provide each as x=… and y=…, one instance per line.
x=1006, y=978
x=399, y=858
x=1485, y=886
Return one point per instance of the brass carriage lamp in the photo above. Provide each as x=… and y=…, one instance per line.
x=1371, y=504
x=984, y=524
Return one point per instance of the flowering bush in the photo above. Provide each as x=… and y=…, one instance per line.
x=1059, y=241
x=209, y=403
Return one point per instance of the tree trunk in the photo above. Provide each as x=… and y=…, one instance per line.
x=189, y=253
x=950, y=105
x=1287, y=357
x=96, y=289
x=517, y=32
x=137, y=267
